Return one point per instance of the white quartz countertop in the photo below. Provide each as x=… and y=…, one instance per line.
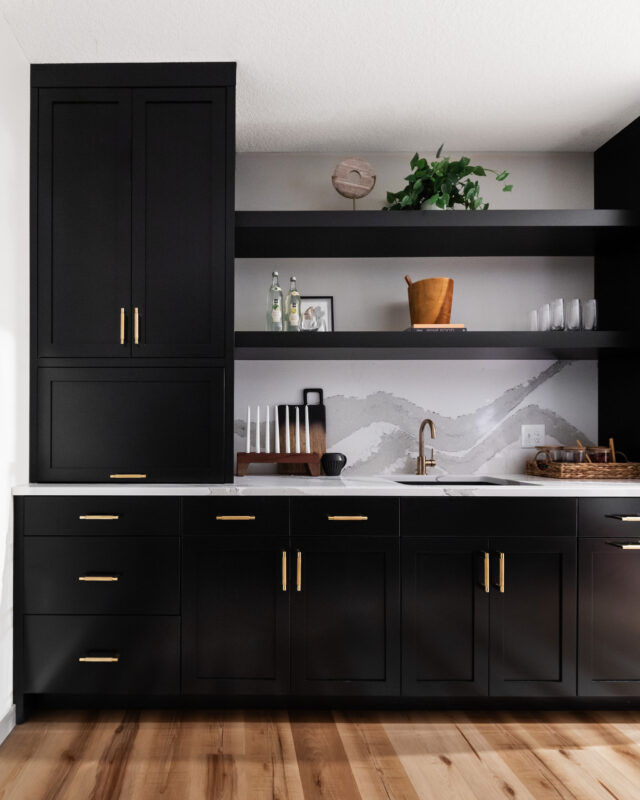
x=374, y=486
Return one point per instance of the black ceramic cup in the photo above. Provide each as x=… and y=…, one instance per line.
x=333, y=463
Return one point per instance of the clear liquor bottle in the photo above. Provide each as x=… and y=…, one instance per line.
x=274, y=305
x=292, y=308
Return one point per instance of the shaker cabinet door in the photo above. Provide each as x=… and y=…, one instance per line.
x=84, y=222
x=179, y=222
x=533, y=619
x=445, y=617
x=235, y=619
x=141, y=424
x=345, y=615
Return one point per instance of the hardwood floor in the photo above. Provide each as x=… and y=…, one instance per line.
x=280, y=755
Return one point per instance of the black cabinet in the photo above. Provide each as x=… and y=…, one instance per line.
x=119, y=424
x=445, y=616
x=132, y=242
x=235, y=636
x=345, y=615
x=532, y=627
x=609, y=627
x=83, y=220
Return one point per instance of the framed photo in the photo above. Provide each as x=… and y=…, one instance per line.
x=317, y=314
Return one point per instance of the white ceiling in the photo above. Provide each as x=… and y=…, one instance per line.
x=367, y=75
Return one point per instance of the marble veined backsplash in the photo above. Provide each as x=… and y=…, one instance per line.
x=374, y=408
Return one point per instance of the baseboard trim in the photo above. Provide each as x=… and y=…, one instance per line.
x=7, y=723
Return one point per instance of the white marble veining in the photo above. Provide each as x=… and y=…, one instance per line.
x=267, y=485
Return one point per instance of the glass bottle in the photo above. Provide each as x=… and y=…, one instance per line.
x=274, y=305
x=292, y=307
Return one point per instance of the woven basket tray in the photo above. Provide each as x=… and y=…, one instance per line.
x=620, y=471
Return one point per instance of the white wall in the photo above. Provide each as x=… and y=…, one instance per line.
x=14, y=326
x=374, y=408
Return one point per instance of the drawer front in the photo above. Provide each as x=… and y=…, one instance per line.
x=106, y=515
x=102, y=575
x=487, y=516
x=609, y=516
x=236, y=515
x=361, y=515
x=139, y=655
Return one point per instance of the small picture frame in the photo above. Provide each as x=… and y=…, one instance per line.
x=317, y=314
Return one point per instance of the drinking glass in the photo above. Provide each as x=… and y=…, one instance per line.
x=590, y=315
x=543, y=317
x=557, y=314
x=533, y=320
x=574, y=315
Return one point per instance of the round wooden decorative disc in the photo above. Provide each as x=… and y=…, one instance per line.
x=353, y=178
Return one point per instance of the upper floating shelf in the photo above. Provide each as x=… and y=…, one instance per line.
x=388, y=234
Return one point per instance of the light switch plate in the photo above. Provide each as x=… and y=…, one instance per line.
x=531, y=436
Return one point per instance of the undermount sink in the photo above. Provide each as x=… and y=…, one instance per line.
x=479, y=480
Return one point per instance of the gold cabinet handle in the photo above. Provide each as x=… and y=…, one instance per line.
x=356, y=518
x=98, y=578
x=128, y=475
x=235, y=518
x=629, y=519
x=136, y=325
x=99, y=516
x=299, y=572
x=501, y=573
x=626, y=545
x=122, y=326
x=99, y=659
x=284, y=570
x=487, y=580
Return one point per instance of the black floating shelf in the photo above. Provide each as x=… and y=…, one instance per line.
x=567, y=345
x=388, y=234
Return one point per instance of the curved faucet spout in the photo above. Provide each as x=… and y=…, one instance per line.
x=423, y=462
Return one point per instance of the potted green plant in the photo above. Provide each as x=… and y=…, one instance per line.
x=443, y=184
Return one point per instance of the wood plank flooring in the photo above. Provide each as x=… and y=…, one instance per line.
x=323, y=755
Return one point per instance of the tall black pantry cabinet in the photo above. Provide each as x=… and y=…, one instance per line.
x=132, y=272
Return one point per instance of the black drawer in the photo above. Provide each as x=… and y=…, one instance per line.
x=146, y=652
x=141, y=655
x=104, y=515
x=609, y=516
x=371, y=515
x=487, y=516
x=236, y=515
x=102, y=575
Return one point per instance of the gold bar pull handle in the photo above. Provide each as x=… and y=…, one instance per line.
x=627, y=518
x=235, y=518
x=98, y=578
x=127, y=475
x=136, y=325
x=99, y=659
x=299, y=572
x=501, y=572
x=284, y=570
x=356, y=518
x=487, y=580
x=99, y=516
x=122, y=325
x=626, y=545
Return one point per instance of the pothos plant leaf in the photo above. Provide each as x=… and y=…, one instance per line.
x=444, y=184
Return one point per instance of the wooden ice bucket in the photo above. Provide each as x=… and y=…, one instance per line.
x=430, y=300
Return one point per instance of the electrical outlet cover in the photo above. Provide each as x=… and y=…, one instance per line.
x=532, y=436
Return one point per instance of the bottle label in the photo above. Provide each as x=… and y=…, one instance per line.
x=276, y=312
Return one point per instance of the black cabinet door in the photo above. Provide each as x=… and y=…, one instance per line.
x=235, y=614
x=84, y=222
x=533, y=620
x=346, y=615
x=445, y=616
x=179, y=222
x=108, y=424
x=608, y=622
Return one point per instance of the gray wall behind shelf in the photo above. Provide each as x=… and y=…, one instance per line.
x=374, y=408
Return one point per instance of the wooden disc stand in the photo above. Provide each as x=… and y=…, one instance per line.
x=311, y=460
